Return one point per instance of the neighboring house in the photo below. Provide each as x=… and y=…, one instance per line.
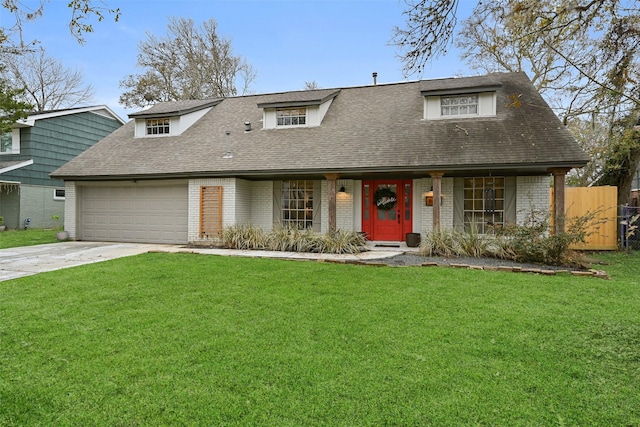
x=383, y=159
x=37, y=146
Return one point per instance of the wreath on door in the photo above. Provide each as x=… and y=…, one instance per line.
x=385, y=199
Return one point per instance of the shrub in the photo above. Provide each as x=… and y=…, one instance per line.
x=533, y=241
x=343, y=242
x=244, y=236
x=528, y=242
x=292, y=239
x=440, y=243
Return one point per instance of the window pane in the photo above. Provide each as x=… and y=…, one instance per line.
x=459, y=105
x=483, y=203
x=297, y=204
x=6, y=142
x=291, y=117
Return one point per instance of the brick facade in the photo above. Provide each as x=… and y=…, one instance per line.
x=532, y=194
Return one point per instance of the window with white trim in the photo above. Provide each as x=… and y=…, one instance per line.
x=459, y=105
x=297, y=204
x=58, y=194
x=6, y=143
x=157, y=126
x=483, y=203
x=291, y=117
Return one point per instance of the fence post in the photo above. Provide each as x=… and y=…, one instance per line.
x=623, y=221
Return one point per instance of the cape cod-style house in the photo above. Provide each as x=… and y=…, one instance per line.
x=387, y=160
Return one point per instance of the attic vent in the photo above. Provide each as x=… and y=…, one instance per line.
x=228, y=154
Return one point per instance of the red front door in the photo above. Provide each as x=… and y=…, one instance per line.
x=386, y=209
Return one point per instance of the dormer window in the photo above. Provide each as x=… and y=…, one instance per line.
x=171, y=118
x=296, y=109
x=158, y=126
x=291, y=117
x=459, y=105
x=454, y=99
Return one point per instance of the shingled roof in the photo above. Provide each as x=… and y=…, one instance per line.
x=366, y=130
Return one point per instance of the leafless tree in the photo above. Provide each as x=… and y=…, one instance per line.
x=48, y=85
x=312, y=85
x=82, y=13
x=582, y=54
x=186, y=63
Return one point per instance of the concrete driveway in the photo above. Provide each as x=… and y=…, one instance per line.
x=28, y=260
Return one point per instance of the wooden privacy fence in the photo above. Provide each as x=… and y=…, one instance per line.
x=603, y=200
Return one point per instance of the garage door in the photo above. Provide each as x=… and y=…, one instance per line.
x=143, y=214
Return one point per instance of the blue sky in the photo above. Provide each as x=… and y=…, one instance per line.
x=336, y=43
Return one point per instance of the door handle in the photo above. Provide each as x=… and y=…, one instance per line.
x=398, y=215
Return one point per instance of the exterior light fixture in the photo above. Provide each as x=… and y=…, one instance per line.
x=429, y=197
x=342, y=190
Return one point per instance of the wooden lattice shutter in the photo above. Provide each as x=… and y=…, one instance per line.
x=211, y=212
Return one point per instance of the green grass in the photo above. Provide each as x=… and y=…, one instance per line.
x=29, y=237
x=181, y=339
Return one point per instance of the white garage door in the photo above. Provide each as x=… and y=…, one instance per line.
x=142, y=214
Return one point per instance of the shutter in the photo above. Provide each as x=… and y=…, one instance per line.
x=317, y=204
x=211, y=212
x=458, y=203
x=510, y=199
x=277, y=202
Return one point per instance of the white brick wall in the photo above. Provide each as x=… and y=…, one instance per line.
x=228, y=204
x=243, y=202
x=344, y=205
x=70, y=222
x=262, y=204
x=423, y=215
x=532, y=193
x=446, y=209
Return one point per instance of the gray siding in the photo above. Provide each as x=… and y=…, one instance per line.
x=9, y=205
x=37, y=203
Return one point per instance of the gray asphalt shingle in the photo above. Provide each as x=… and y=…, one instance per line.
x=366, y=129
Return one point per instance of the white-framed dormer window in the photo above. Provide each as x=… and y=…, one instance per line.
x=291, y=116
x=157, y=126
x=459, y=105
x=445, y=106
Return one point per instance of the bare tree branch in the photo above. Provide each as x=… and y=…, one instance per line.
x=186, y=63
x=47, y=84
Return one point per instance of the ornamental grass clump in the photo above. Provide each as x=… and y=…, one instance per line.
x=474, y=244
x=343, y=242
x=244, y=236
x=455, y=243
x=290, y=239
x=442, y=243
x=293, y=239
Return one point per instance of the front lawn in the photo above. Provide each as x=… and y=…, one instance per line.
x=29, y=237
x=183, y=339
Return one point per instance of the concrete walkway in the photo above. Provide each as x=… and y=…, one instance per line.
x=29, y=260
